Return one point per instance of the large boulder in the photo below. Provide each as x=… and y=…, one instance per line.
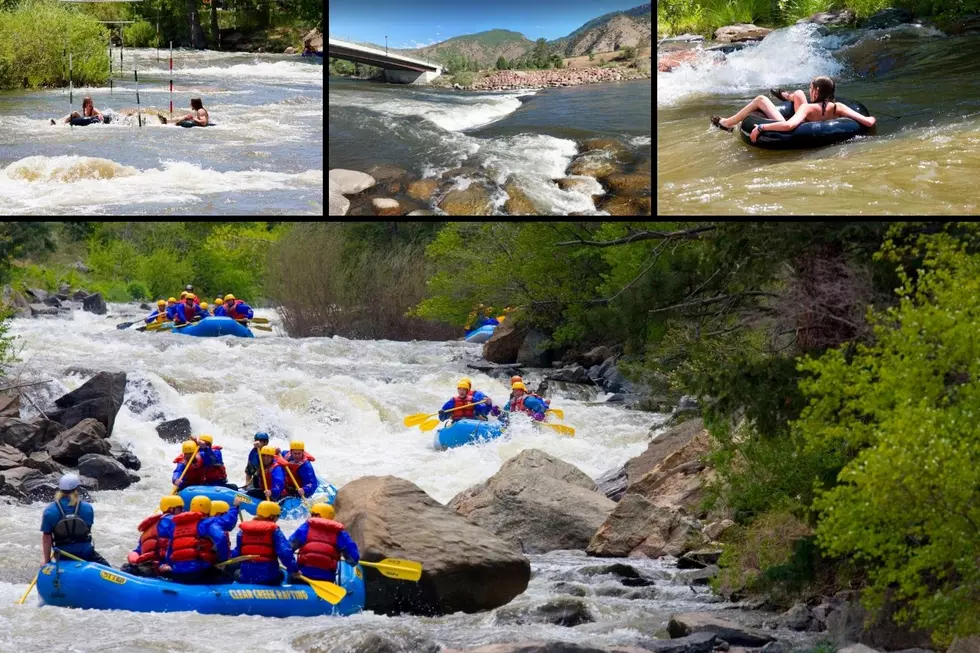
x=43, y=309
x=109, y=472
x=506, y=341
x=534, y=351
x=464, y=567
x=640, y=528
x=125, y=455
x=94, y=303
x=17, y=301
x=558, y=611
x=688, y=623
x=20, y=434
x=969, y=644
x=174, y=430
x=741, y=32
x=99, y=398
x=556, y=647
x=11, y=457
x=49, y=430
x=537, y=502
x=848, y=622
x=9, y=404
x=88, y=436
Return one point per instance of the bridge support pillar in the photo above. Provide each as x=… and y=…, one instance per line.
x=409, y=76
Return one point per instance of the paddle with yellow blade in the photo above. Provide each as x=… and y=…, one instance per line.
x=419, y=419
x=396, y=568
x=329, y=592
x=235, y=561
x=187, y=465
x=561, y=428
x=34, y=582
x=156, y=326
x=557, y=412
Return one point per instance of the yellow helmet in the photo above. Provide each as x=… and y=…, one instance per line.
x=218, y=301
x=170, y=502
x=172, y=300
x=298, y=445
x=161, y=302
x=519, y=386
x=268, y=450
x=204, y=305
x=219, y=508
x=267, y=509
x=465, y=383
x=206, y=438
x=188, y=447
x=201, y=503
x=184, y=294
x=229, y=297
x=324, y=510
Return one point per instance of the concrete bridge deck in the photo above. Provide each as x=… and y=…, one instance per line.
x=398, y=68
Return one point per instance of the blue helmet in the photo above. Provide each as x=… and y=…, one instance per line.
x=262, y=435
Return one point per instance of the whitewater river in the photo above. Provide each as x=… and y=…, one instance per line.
x=264, y=156
x=346, y=399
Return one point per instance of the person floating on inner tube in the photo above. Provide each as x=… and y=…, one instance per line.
x=189, y=311
x=159, y=315
x=524, y=402
x=88, y=111
x=261, y=537
x=236, y=309
x=252, y=466
x=196, y=543
x=275, y=476
x=820, y=107
x=67, y=523
x=198, y=115
x=196, y=474
x=320, y=543
x=299, y=462
x=214, y=464
x=466, y=395
x=150, y=551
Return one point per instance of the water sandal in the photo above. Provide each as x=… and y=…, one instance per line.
x=716, y=121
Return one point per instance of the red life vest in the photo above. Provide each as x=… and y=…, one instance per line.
x=268, y=473
x=187, y=545
x=153, y=548
x=196, y=475
x=231, y=309
x=294, y=467
x=215, y=473
x=320, y=550
x=259, y=539
x=465, y=412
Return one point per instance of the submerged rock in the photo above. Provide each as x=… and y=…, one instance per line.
x=517, y=202
x=627, y=183
x=475, y=200
x=626, y=205
x=385, y=206
x=423, y=189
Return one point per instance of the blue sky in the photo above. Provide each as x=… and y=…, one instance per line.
x=415, y=23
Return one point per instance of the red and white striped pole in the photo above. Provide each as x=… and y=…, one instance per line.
x=171, y=78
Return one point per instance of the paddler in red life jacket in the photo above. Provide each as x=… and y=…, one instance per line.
x=275, y=476
x=188, y=311
x=159, y=315
x=466, y=395
x=299, y=462
x=261, y=537
x=320, y=542
x=196, y=474
x=197, y=543
x=150, y=551
x=236, y=309
x=214, y=464
x=529, y=404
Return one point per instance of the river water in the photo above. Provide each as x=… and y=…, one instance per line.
x=263, y=157
x=346, y=399
x=927, y=162
x=529, y=136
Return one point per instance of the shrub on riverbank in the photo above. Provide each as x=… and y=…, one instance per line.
x=35, y=39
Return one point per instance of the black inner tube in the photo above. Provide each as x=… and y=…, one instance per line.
x=809, y=134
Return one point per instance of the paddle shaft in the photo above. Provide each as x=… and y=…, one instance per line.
x=296, y=483
x=187, y=465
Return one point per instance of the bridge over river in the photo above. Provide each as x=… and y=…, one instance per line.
x=398, y=68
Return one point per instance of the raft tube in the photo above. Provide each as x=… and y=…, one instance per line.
x=86, y=585
x=214, y=326
x=85, y=122
x=466, y=431
x=291, y=507
x=807, y=135
x=480, y=335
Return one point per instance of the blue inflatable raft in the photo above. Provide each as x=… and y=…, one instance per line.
x=466, y=431
x=214, y=326
x=86, y=585
x=291, y=507
x=481, y=334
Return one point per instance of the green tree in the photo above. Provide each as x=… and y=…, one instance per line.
x=908, y=504
x=22, y=239
x=501, y=63
x=591, y=54
x=540, y=53
x=555, y=61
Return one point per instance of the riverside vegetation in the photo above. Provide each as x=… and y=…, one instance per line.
x=835, y=365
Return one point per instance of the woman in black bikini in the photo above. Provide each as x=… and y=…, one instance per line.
x=820, y=107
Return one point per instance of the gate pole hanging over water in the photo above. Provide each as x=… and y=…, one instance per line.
x=171, y=79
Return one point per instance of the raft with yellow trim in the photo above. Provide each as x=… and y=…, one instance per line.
x=86, y=585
